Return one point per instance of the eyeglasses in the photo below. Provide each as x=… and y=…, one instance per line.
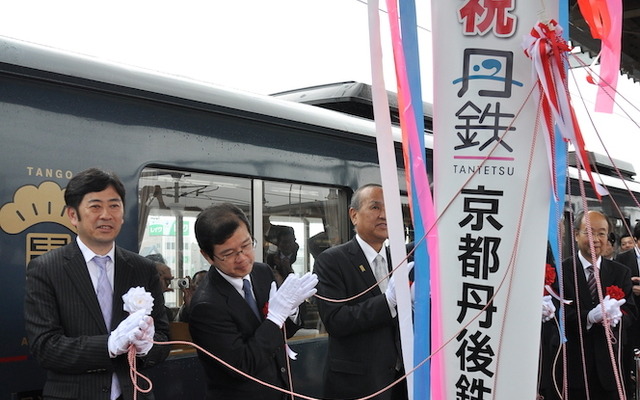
x=600, y=235
x=245, y=249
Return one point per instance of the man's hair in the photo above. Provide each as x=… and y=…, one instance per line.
x=636, y=231
x=197, y=277
x=577, y=222
x=284, y=232
x=216, y=224
x=89, y=181
x=355, y=200
x=625, y=234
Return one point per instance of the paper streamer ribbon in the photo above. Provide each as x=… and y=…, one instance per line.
x=389, y=175
x=604, y=18
x=548, y=52
x=424, y=217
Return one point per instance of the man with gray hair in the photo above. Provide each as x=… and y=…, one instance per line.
x=364, y=343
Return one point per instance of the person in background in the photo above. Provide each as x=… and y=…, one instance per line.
x=364, y=353
x=74, y=317
x=609, y=251
x=238, y=314
x=627, y=242
x=187, y=294
x=164, y=272
x=166, y=277
x=591, y=370
x=286, y=254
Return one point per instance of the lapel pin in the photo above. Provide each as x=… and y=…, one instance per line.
x=362, y=269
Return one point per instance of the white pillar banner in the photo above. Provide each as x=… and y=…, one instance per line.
x=492, y=193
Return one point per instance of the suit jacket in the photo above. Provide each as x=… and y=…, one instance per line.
x=222, y=323
x=628, y=258
x=596, y=353
x=364, y=344
x=66, y=330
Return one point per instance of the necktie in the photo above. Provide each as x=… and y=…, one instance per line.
x=104, y=290
x=380, y=271
x=591, y=282
x=248, y=296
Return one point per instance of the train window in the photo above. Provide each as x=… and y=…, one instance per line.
x=170, y=202
x=298, y=221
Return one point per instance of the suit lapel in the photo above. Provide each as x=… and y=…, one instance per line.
x=362, y=267
x=261, y=291
x=79, y=276
x=123, y=276
x=606, y=276
x=234, y=300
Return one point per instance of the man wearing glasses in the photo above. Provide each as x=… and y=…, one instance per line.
x=238, y=314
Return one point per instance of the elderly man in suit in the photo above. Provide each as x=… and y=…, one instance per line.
x=75, y=321
x=595, y=311
x=364, y=353
x=238, y=315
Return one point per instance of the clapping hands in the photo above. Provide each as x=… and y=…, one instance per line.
x=611, y=310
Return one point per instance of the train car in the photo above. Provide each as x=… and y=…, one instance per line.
x=178, y=145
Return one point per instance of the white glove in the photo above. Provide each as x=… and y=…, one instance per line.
x=143, y=338
x=294, y=290
x=390, y=293
x=595, y=316
x=548, y=308
x=120, y=339
x=612, y=308
x=308, y=284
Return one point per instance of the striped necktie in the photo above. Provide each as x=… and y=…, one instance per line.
x=591, y=282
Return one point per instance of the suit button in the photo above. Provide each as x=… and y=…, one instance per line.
x=105, y=389
x=283, y=370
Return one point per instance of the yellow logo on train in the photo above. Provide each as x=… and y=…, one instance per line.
x=32, y=205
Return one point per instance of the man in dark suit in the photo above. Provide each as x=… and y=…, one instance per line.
x=81, y=343
x=631, y=258
x=593, y=312
x=237, y=314
x=364, y=353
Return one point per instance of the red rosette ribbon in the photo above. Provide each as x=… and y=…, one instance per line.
x=614, y=292
x=549, y=277
x=265, y=309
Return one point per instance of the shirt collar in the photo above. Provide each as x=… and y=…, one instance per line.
x=88, y=254
x=369, y=252
x=235, y=282
x=586, y=263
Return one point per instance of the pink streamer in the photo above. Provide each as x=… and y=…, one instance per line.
x=427, y=212
x=610, y=59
